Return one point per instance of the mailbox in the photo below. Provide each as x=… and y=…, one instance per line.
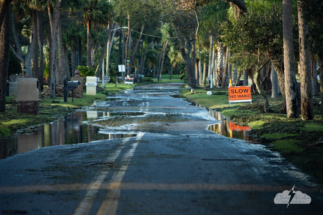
x=72, y=85
x=27, y=95
x=91, y=83
x=69, y=85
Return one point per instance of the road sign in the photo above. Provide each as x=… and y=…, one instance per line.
x=121, y=68
x=106, y=78
x=240, y=94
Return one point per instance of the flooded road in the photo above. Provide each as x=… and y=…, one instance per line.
x=146, y=151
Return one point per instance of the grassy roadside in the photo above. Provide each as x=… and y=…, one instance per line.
x=295, y=139
x=49, y=109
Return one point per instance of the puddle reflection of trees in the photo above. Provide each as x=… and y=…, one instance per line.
x=67, y=130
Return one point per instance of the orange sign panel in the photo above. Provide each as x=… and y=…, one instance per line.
x=235, y=127
x=239, y=93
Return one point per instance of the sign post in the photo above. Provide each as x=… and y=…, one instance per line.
x=240, y=94
x=122, y=69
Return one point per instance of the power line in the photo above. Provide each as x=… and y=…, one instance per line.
x=154, y=35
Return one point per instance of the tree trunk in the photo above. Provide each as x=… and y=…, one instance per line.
x=197, y=74
x=66, y=67
x=211, y=56
x=314, y=75
x=88, y=41
x=274, y=82
x=79, y=60
x=279, y=68
x=204, y=73
x=104, y=50
x=214, y=71
x=129, y=45
x=136, y=47
x=220, y=64
x=163, y=58
x=226, y=70
x=320, y=61
x=200, y=72
x=53, y=20
x=307, y=112
x=35, y=43
x=171, y=72
x=260, y=90
x=143, y=60
x=289, y=64
x=4, y=59
x=159, y=62
x=73, y=59
x=60, y=67
x=186, y=45
x=41, y=51
x=126, y=55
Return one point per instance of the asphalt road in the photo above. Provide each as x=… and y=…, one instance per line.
x=173, y=165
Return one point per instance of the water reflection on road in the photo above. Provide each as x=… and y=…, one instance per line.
x=70, y=129
x=227, y=128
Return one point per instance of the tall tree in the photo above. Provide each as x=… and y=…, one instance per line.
x=53, y=20
x=307, y=112
x=98, y=11
x=289, y=63
x=4, y=56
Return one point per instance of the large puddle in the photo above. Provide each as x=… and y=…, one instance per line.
x=74, y=129
x=230, y=129
x=225, y=127
x=70, y=129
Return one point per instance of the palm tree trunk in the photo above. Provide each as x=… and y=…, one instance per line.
x=163, y=58
x=210, y=55
x=226, y=70
x=88, y=39
x=60, y=67
x=79, y=55
x=307, y=112
x=104, y=50
x=35, y=43
x=41, y=51
x=200, y=72
x=53, y=20
x=220, y=64
x=197, y=74
x=171, y=72
x=4, y=59
x=289, y=64
x=73, y=58
x=66, y=67
x=204, y=73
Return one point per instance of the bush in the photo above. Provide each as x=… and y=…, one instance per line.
x=86, y=71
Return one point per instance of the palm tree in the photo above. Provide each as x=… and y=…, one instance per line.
x=289, y=64
x=95, y=11
x=4, y=60
x=305, y=66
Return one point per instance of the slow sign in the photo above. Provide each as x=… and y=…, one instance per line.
x=240, y=94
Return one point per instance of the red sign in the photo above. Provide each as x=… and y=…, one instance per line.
x=239, y=93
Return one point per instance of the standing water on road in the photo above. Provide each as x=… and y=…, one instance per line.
x=71, y=129
x=150, y=109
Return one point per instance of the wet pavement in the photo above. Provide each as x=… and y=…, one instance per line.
x=146, y=151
